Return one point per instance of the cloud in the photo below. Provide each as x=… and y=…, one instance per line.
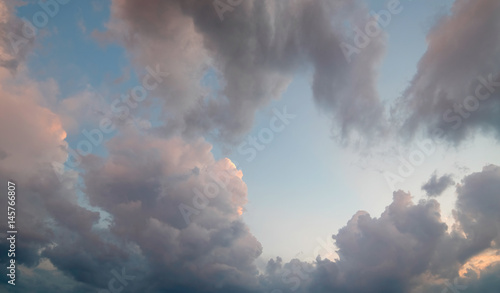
x=141, y=183
x=47, y=209
x=141, y=186
x=388, y=253
x=456, y=87
x=122, y=210
x=255, y=53
x=408, y=248
x=131, y=218
x=477, y=202
x=15, y=37
x=435, y=186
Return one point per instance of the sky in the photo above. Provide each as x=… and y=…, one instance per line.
x=250, y=146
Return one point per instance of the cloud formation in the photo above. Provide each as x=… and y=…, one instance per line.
x=410, y=249
x=122, y=211
x=47, y=212
x=140, y=186
x=255, y=53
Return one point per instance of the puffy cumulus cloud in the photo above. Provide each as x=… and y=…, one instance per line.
x=254, y=52
x=139, y=188
x=294, y=276
x=47, y=209
x=475, y=242
x=435, y=186
x=386, y=254
x=48, y=213
x=408, y=248
x=455, y=91
x=143, y=184
x=477, y=206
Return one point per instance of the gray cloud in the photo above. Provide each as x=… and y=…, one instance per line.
x=435, y=186
x=448, y=92
x=141, y=186
x=478, y=201
x=409, y=248
x=255, y=52
x=48, y=214
x=389, y=253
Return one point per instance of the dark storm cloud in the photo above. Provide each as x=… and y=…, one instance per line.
x=255, y=52
x=457, y=85
x=435, y=186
